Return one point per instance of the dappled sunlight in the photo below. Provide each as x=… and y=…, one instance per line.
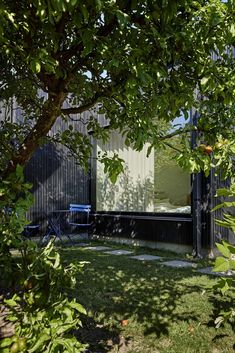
x=156, y=301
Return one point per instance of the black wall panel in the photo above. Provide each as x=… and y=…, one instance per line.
x=57, y=181
x=168, y=230
x=219, y=232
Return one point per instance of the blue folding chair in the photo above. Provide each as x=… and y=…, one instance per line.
x=80, y=216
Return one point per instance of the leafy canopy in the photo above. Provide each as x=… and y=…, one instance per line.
x=144, y=61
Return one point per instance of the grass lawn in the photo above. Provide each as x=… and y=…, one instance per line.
x=168, y=310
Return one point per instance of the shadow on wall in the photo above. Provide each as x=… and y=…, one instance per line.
x=57, y=181
x=167, y=191
x=126, y=195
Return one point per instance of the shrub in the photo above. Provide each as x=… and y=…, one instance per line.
x=226, y=262
x=37, y=295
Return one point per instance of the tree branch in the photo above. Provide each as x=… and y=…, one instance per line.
x=81, y=109
x=178, y=132
x=78, y=110
x=50, y=112
x=173, y=147
x=78, y=48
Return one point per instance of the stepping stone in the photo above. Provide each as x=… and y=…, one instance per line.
x=179, y=263
x=208, y=271
x=82, y=244
x=97, y=248
x=119, y=252
x=146, y=257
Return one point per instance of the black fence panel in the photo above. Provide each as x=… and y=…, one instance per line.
x=57, y=181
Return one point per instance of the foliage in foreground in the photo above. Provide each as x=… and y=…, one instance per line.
x=226, y=262
x=43, y=315
x=36, y=295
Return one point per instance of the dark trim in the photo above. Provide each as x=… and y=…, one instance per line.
x=171, y=230
x=196, y=197
x=93, y=175
x=146, y=215
x=197, y=222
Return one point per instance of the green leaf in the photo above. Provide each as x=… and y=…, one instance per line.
x=223, y=192
x=5, y=350
x=87, y=38
x=224, y=204
x=57, y=261
x=84, y=11
x=232, y=264
x=223, y=249
x=231, y=248
x=6, y=342
x=204, y=81
x=35, y=66
x=19, y=172
x=74, y=2
x=10, y=302
x=114, y=62
x=12, y=318
x=122, y=17
x=41, y=341
x=221, y=265
x=232, y=29
x=225, y=287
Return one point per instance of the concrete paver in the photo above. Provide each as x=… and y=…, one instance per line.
x=208, y=271
x=83, y=244
x=179, y=263
x=146, y=257
x=98, y=248
x=119, y=252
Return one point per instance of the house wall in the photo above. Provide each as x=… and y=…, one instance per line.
x=196, y=230
x=161, y=230
x=57, y=177
x=58, y=181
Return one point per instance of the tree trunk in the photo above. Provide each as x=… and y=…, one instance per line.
x=50, y=112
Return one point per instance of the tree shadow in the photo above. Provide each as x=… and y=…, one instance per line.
x=54, y=177
x=221, y=303
x=151, y=297
x=98, y=337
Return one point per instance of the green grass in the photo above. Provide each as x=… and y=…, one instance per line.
x=168, y=310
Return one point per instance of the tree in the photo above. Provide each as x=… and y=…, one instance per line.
x=144, y=62
x=139, y=59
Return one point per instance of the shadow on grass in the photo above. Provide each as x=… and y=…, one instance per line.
x=99, y=338
x=150, y=296
x=118, y=288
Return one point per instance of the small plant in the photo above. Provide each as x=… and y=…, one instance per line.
x=226, y=262
x=43, y=315
x=15, y=200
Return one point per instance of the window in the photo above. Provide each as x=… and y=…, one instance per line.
x=153, y=184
